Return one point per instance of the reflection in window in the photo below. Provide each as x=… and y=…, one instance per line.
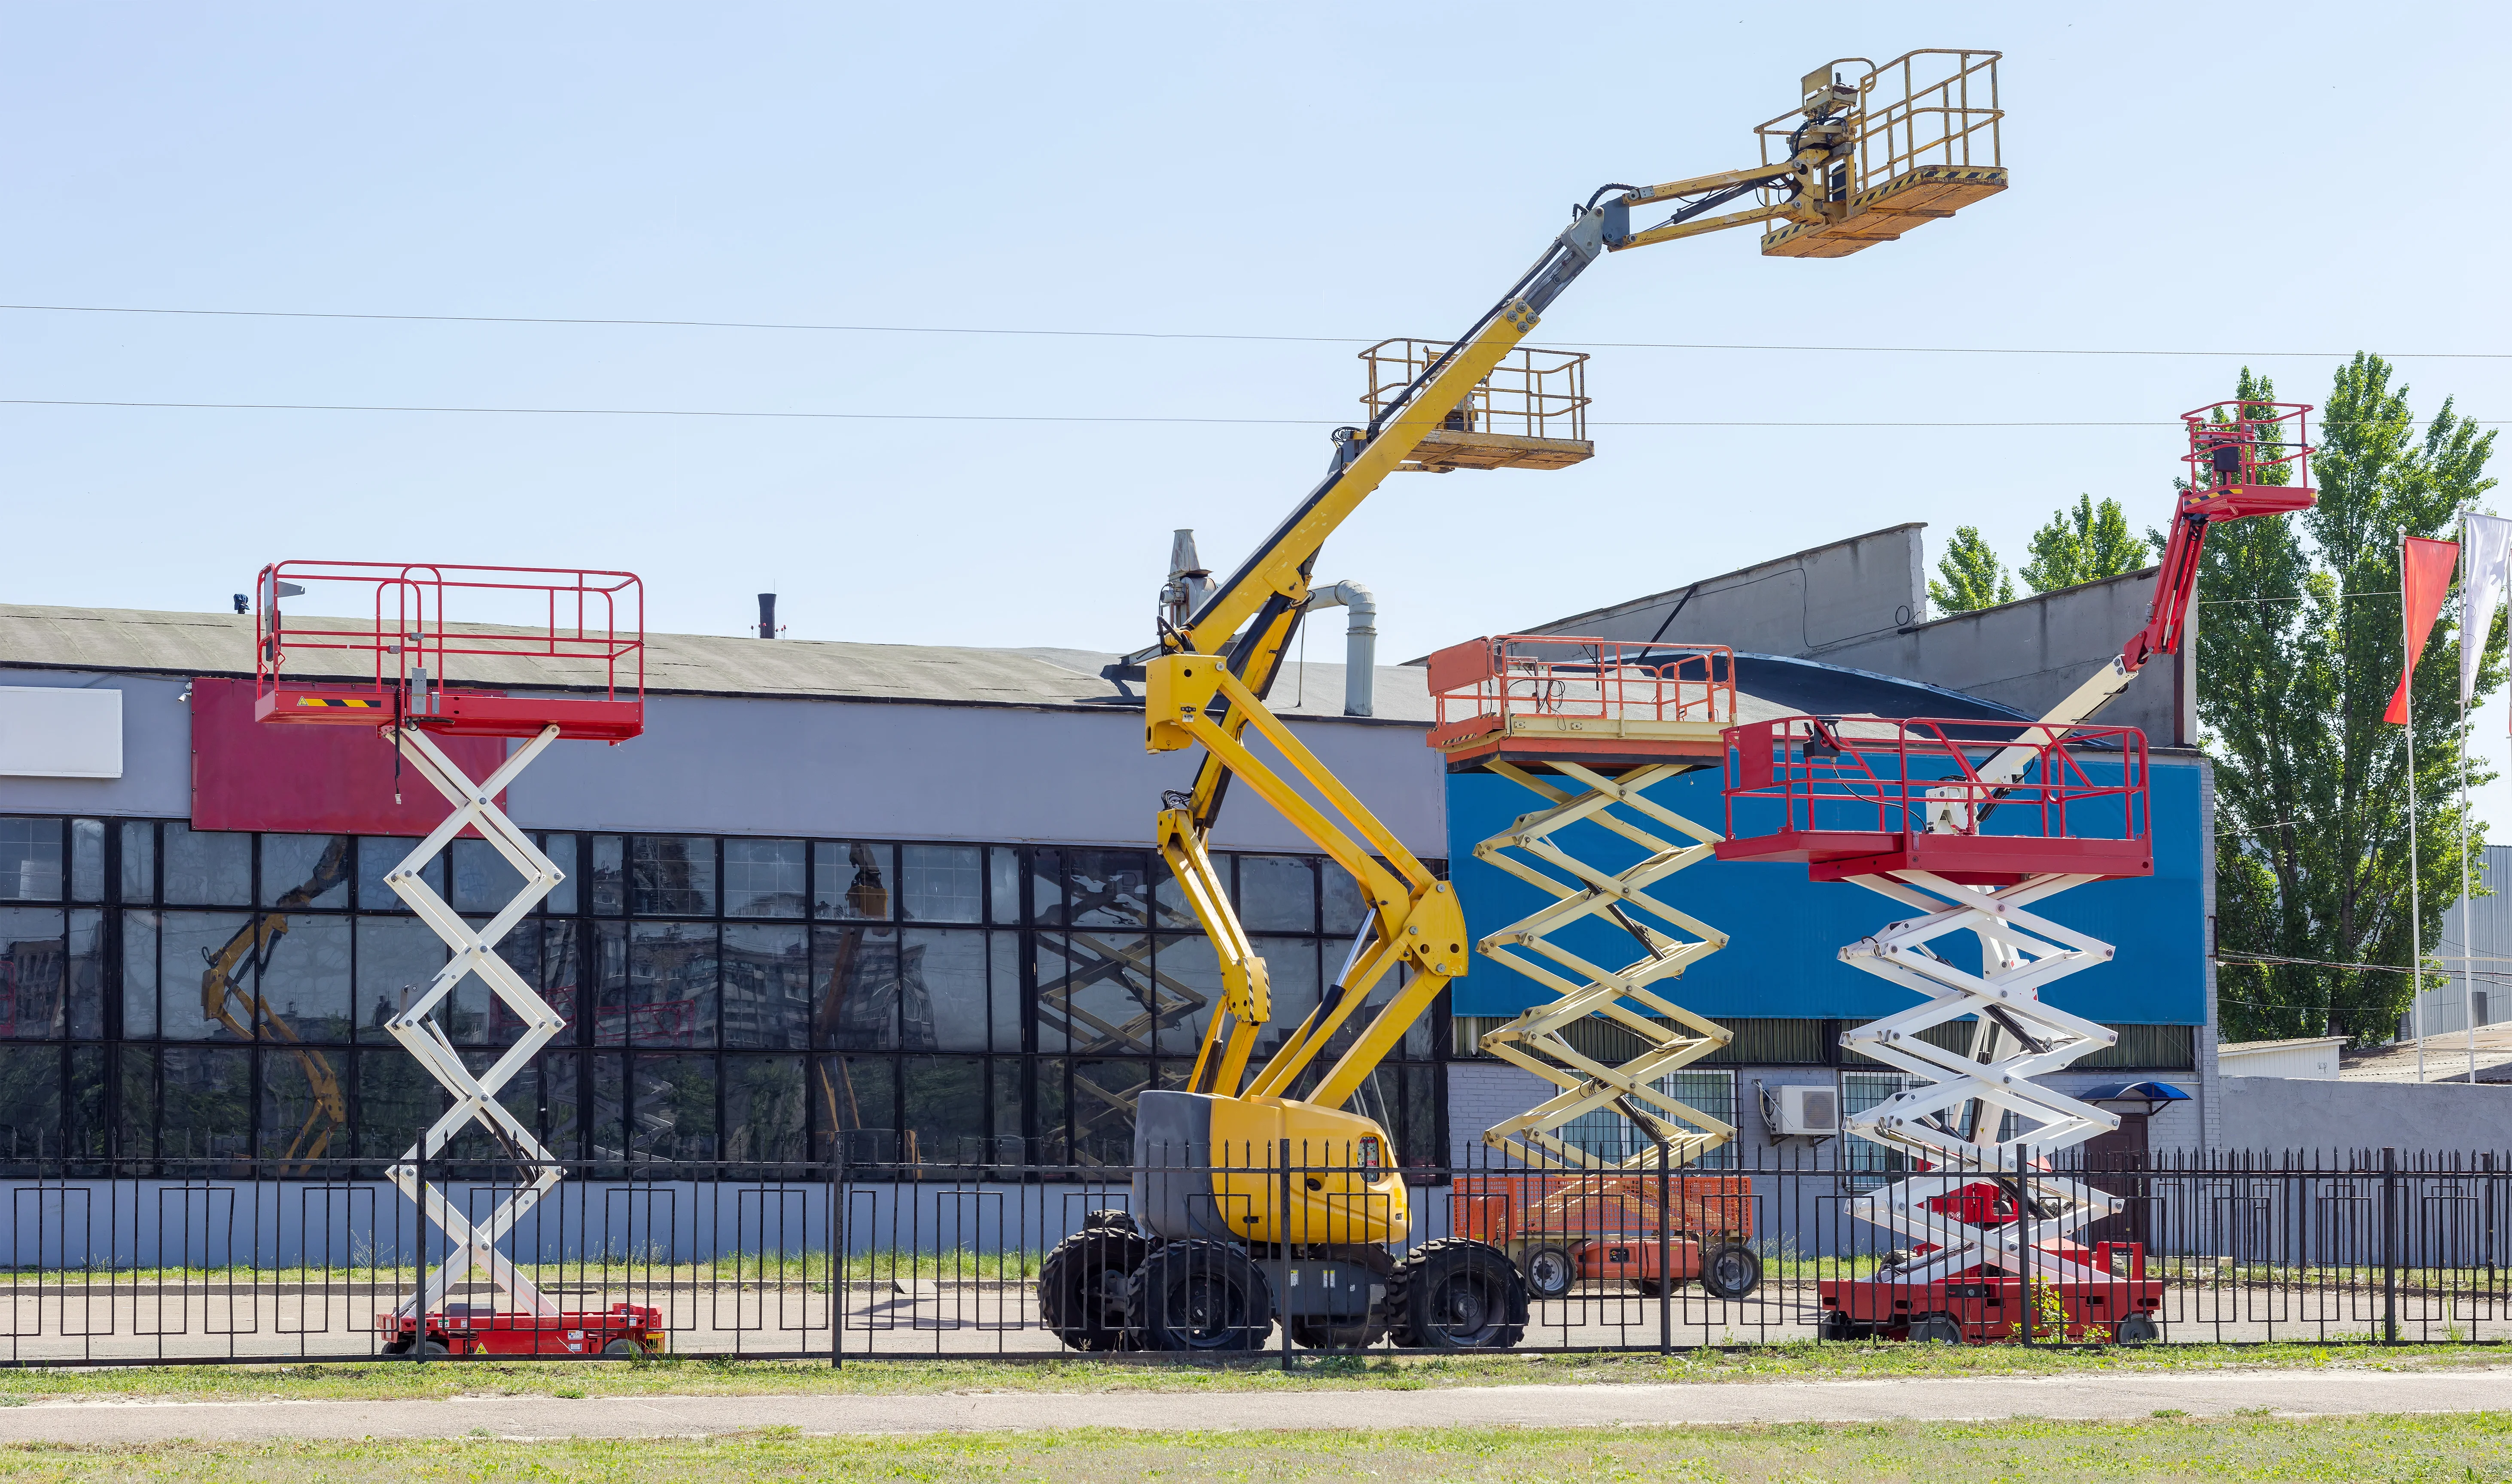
x=1002, y=879
x=31, y=860
x=671, y=985
x=610, y=876
x=138, y=862
x=763, y=878
x=945, y=1110
x=1277, y=893
x=208, y=1103
x=1346, y=904
x=560, y=851
x=377, y=856
x=1096, y=993
x=30, y=1102
x=857, y=1098
x=1103, y=1110
x=140, y=974
x=397, y=959
x=671, y=1113
x=1292, y=966
x=305, y=984
x=767, y=985
x=208, y=869
x=951, y=967
x=135, y=1122
x=671, y=876
x=395, y=1101
x=764, y=1108
x=1108, y=888
x=33, y=974
x=87, y=860
x=542, y=954
x=941, y=883
x=305, y=871
x=1189, y=968
x=541, y=1097
x=1004, y=968
x=305, y=1104
x=201, y=952
x=850, y=880
x=484, y=879
x=871, y=991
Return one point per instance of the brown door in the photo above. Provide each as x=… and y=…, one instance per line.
x=2109, y=1163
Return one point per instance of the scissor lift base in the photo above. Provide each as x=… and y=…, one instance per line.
x=558, y=1334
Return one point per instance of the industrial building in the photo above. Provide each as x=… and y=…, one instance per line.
x=810, y=912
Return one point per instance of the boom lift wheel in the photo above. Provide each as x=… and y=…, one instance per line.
x=1198, y=1296
x=1331, y=1335
x=1081, y=1284
x=1457, y=1295
x=1551, y=1272
x=1731, y=1272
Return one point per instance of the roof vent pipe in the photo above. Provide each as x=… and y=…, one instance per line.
x=1190, y=582
x=768, y=615
x=1360, y=642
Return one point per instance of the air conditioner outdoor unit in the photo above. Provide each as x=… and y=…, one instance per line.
x=1812, y=1111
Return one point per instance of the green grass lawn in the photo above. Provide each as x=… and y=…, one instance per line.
x=2381, y=1448
x=673, y=1376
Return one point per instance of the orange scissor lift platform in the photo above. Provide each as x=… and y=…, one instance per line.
x=1589, y=725
x=383, y=652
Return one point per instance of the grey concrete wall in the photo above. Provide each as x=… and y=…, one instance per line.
x=2030, y=653
x=156, y=752
x=720, y=766
x=2292, y=1113
x=1802, y=603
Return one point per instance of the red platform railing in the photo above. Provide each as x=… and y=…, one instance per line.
x=1480, y=684
x=1863, y=796
x=390, y=647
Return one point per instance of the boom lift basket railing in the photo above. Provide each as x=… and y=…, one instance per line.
x=1615, y=719
x=385, y=668
x=1530, y=413
x=1925, y=132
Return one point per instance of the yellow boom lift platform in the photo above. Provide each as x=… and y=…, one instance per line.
x=1256, y=1193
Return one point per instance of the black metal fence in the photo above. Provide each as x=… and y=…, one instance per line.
x=104, y=1262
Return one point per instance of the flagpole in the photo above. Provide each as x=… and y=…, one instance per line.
x=2416, y=910
x=2467, y=908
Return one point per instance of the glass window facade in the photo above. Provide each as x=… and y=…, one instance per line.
x=174, y=994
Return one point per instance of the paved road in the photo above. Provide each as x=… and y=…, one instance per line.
x=2212, y=1393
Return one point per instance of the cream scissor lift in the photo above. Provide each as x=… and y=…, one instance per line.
x=386, y=667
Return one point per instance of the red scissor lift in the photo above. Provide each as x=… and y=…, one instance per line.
x=1971, y=825
x=383, y=657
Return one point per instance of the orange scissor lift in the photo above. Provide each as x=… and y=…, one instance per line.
x=384, y=665
x=1589, y=727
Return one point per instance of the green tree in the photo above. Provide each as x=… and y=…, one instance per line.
x=2085, y=544
x=1974, y=578
x=2297, y=654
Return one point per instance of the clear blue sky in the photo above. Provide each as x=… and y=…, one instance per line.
x=2186, y=177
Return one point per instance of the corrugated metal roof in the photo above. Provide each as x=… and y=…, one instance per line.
x=131, y=640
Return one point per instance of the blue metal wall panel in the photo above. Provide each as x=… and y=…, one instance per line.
x=1784, y=930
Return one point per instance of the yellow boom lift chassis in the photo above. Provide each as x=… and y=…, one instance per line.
x=1256, y=1193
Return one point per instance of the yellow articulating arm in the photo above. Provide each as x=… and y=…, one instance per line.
x=227, y=998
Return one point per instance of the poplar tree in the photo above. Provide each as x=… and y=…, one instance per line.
x=1973, y=576
x=2085, y=544
x=2299, y=651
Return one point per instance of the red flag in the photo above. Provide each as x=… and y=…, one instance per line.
x=2427, y=565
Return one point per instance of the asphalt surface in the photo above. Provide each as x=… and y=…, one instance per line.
x=2299, y=1393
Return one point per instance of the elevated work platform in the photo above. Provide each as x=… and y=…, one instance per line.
x=1531, y=413
x=1924, y=128
x=1606, y=721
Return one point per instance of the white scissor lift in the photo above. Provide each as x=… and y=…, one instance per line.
x=1974, y=826
x=385, y=666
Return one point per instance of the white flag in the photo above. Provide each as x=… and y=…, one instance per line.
x=2489, y=568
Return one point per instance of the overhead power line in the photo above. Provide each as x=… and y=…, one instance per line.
x=1195, y=335
x=808, y=416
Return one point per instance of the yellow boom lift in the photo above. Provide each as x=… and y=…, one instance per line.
x=1256, y=1193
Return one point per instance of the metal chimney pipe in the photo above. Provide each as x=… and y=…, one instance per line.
x=768, y=615
x=1360, y=642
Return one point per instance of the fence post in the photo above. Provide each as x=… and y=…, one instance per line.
x=1283, y=1244
x=2389, y=1246
x=1666, y=1243
x=2024, y=1217
x=837, y=1178
x=418, y=1260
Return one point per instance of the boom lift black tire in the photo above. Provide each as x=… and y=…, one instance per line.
x=1730, y=1271
x=1081, y=1286
x=1198, y=1296
x=1111, y=1220
x=1456, y=1294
